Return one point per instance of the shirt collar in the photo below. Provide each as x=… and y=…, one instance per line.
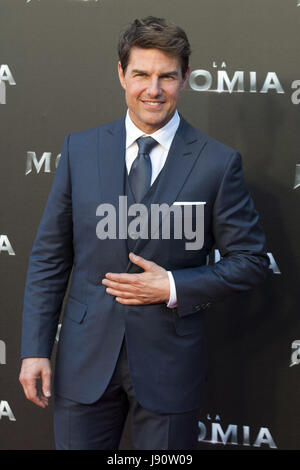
x=163, y=136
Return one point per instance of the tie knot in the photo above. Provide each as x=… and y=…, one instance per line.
x=146, y=144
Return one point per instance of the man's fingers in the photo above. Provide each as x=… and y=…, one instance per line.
x=142, y=262
x=123, y=287
x=120, y=293
x=117, y=277
x=40, y=401
x=31, y=393
x=29, y=387
x=148, y=287
x=46, y=382
x=132, y=279
x=123, y=301
x=35, y=377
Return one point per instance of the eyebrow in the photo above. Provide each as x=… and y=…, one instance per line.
x=172, y=73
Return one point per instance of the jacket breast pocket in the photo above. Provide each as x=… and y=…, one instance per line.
x=75, y=310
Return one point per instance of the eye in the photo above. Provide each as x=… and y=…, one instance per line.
x=140, y=74
x=169, y=77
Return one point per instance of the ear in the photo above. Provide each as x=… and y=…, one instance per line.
x=185, y=78
x=121, y=76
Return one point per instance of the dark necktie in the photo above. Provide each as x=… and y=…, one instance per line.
x=141, y=171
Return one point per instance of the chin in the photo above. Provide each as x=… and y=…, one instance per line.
x=156, y=120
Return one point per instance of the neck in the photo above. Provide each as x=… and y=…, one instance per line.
x=148, y=128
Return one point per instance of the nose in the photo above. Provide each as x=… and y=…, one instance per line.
x=154, y=88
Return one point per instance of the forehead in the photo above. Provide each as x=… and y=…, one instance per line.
x=152, y=60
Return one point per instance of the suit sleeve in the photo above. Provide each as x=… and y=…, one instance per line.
x=240, y=240
x=50, y=264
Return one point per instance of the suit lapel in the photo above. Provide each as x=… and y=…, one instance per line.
x=186, y=147
x=111, y=167
x=185, y=150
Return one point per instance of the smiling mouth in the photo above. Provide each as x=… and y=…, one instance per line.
x=152, y=103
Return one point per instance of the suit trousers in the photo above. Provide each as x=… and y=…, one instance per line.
x=99, y=426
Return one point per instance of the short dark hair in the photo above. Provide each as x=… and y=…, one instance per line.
x=154, y=33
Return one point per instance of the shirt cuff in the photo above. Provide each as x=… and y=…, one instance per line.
x=173, y=296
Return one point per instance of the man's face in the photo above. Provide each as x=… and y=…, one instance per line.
x=152, y=83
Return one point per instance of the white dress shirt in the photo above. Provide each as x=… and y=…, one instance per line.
x=158, y=155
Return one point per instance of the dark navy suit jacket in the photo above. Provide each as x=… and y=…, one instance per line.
x=166, y=347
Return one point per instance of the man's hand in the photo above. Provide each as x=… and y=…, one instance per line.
x=33, y=369
x=150, y=287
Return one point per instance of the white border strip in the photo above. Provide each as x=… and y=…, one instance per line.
x=178, y=203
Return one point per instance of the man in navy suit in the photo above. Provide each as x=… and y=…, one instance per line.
x=132, y=337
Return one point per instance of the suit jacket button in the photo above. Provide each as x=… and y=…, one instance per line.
x=205, y=306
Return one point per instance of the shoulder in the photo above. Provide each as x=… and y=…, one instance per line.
x=212, y=143
x=89, y=135
x=216, y=152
